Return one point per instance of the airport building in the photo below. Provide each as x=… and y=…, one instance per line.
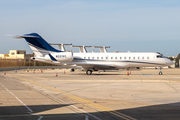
x=16, y=58
x=16, y=54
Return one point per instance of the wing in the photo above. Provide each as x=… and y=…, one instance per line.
x=101, y=65
x=97, y=66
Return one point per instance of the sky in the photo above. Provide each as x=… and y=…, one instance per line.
x=124, y=25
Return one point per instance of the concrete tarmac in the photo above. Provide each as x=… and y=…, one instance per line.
x=110, y=95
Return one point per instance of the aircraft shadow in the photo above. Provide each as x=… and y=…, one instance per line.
x=153, y=112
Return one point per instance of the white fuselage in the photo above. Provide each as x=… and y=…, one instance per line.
x=122, y=60
x=102, y=61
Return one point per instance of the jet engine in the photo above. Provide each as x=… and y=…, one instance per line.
x=60, y=57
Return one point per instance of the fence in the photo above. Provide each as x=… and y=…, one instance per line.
x=19, y=63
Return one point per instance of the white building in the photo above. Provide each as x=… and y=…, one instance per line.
x=14, y=54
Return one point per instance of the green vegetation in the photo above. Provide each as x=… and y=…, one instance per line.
x=177, y=61
x=171, y=58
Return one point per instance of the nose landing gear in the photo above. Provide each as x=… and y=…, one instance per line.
x=160, y=72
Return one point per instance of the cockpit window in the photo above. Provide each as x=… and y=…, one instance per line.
x=160, y=56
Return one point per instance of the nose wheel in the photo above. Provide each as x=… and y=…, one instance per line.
x=88, y=72
x=160, y=73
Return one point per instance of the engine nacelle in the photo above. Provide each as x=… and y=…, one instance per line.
x=61, y=57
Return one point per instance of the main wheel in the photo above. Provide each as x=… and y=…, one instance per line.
x=72, y=70
x=88, y=72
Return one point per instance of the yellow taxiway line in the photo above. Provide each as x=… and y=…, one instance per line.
x=95, y=105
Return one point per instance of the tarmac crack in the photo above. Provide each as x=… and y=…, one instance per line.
x=171, y=86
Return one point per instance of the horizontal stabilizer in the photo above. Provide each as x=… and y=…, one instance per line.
x=22, y=36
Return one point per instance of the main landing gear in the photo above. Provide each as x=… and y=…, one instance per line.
x=88, y=72
x=72, y=70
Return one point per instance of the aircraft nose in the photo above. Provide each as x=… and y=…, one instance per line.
x=169, y=62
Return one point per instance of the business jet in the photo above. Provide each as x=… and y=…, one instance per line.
x=102, y=48
x=93, y=61
x=82, y=49
x=61, y=46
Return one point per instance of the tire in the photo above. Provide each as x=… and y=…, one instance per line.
x=160, y=73
x=72, y=70
x=88, y=72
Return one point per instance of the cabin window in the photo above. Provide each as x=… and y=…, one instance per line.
x=106, y=58
x=142, y=57
x=88, y=57
x=124, y=57
x=129, y=58
x=134, y=58
x=147, y=57
x=92, y=57
x=120, y=58
x=101, y=58
x=138, y=58
x=111, y=58
x=84, y=57
x=116, y=58
x=98, y=58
